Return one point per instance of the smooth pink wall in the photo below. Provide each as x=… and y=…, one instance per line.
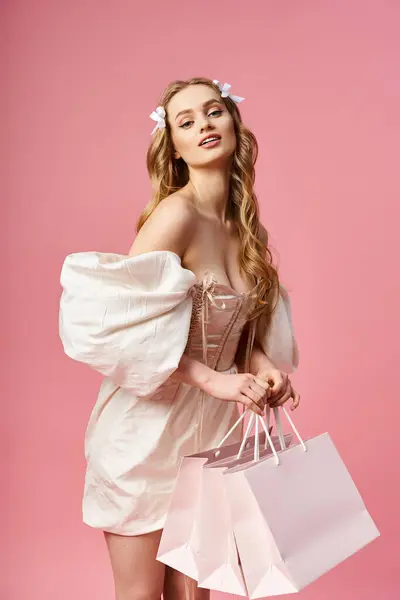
x=322, y=86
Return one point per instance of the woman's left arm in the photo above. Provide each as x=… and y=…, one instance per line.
x=260, y=363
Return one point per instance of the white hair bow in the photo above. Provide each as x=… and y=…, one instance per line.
x=224, y=89
x=159, y=116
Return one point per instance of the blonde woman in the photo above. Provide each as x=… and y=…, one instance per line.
x=192, y=323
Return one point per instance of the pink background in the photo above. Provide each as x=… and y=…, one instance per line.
x=322, y=86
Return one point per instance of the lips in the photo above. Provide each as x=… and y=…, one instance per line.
x=214, y=135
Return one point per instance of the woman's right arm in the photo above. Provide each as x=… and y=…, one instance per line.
x=171, y=227
x=243, y=387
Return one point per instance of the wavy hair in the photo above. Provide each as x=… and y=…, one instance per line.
x=168, y=175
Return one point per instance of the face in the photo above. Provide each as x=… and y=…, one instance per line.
x=195, y=113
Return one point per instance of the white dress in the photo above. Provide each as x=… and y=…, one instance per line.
x=132, y=319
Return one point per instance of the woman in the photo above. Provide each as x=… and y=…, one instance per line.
x=187, y=327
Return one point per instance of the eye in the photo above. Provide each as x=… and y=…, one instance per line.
x=214, y=112
x=186, y=123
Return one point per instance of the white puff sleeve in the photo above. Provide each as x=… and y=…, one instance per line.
x=278, y=340
x=127, y=317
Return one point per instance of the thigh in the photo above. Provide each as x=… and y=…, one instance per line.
x=137, y=573
x=179, y=587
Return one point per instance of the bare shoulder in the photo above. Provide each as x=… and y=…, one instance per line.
x=170, y=227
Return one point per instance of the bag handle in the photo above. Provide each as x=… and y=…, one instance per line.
x=280, y=432
x=244, y=441
x=265, y=425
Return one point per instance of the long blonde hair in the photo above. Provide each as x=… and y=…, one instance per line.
x=168, y=175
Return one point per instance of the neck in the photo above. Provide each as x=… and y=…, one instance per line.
x=211, y=188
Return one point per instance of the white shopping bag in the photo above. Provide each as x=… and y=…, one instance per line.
x=179, y=545
x=296, y=515
x=217, y=557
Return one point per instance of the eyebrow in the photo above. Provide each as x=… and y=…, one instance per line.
x=205, y=104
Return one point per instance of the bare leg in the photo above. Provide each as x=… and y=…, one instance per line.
x=174, y=587
x=137, y=573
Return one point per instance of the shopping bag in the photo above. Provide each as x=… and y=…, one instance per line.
x=218, y=562
x=179, y=542
x=296, y=514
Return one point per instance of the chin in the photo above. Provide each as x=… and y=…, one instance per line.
x=222, y=157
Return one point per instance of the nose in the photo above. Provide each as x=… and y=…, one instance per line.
x=204, y=125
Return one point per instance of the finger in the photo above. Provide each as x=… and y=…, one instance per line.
x=264, y=391
x=296, y=400
x=261, y=383
x=255, y=397
x=278, y=382
x=283, y=398
x=274, y=398
x=251, y=405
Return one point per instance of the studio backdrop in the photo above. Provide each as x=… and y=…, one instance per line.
x=322, y=88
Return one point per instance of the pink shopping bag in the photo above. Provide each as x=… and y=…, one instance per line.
x=296, y=515
x=217, y=557
x=180, y=538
